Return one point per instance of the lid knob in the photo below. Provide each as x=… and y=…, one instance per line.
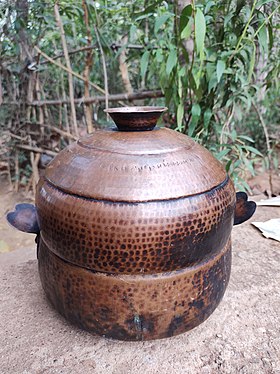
x=136, y=118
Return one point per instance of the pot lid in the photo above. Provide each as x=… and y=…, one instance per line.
x=135, y=166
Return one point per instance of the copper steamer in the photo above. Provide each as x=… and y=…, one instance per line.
x=133, y=229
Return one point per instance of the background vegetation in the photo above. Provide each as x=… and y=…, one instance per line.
x=215, y=64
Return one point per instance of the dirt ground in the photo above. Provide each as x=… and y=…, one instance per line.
x=11, y=239
x=241, y=336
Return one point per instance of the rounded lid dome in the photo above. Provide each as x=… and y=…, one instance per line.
x=135, y=166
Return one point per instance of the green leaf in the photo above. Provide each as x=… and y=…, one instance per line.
x=209, y=5
x=150, y=9
x=160, y=21
x=168, y=94
x=186, y=33
x=253, y=150
x=132, y=33
x=249, y=165
x=233, y=135
x=184, y=17
x=182, y=71
x=270, y=35
x=228, y=165
x=244, y=57
x=212, y=83
x=221, y=66
x=236, y=164
x=159, y=55
x=200, y=30
x=192, y=127
x=227, y=53
x=263, y=2
x=180, y=115
x=207, y=117
x=180, y=86
x=222, y=154
x=196, y=111
x=210, y=70
x=252, y=63
x=263, y=40
x=171, y=61
x=245, y=137
x=227, y=18
x=144, y=63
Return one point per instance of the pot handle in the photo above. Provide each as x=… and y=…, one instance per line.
x=244, y=209
x=24, y=218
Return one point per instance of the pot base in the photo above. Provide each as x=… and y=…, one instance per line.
x=135, y=307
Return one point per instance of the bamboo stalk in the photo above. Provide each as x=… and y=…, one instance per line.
x=104, y=69
x=88, y=66
x=1, y=90
x=60, y=116
x=63, y=133
x=226, y=126
x=35, y=172
x=68, y=70
x=87, y=48
x=35, y=149
x=34, y=114
x=56, y=57
x=68, y=64
x=39, y=97
x=30, y=96
x=16, y=172
x=65, y=107
x=27, y=187
x=9, y=174
x=113, y=97
x=22, y=139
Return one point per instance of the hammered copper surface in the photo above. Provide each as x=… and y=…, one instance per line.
x=138, y=307
x=135, y=166
x=134, y=230
x=124, y=238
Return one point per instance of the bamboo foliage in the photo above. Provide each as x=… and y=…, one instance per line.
x=45, y=119
x=201, y=59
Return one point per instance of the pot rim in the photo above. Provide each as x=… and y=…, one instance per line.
x=136, y=109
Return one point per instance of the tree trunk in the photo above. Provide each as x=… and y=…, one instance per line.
x=25, y=57
x=124, y=68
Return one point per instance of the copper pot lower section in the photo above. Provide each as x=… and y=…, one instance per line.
x=135, y=307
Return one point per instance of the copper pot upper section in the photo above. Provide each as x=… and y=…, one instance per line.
x=143, y=166
x=147, y=237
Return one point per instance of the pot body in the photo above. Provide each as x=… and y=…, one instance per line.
x=135, y=307
x=135, y=233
